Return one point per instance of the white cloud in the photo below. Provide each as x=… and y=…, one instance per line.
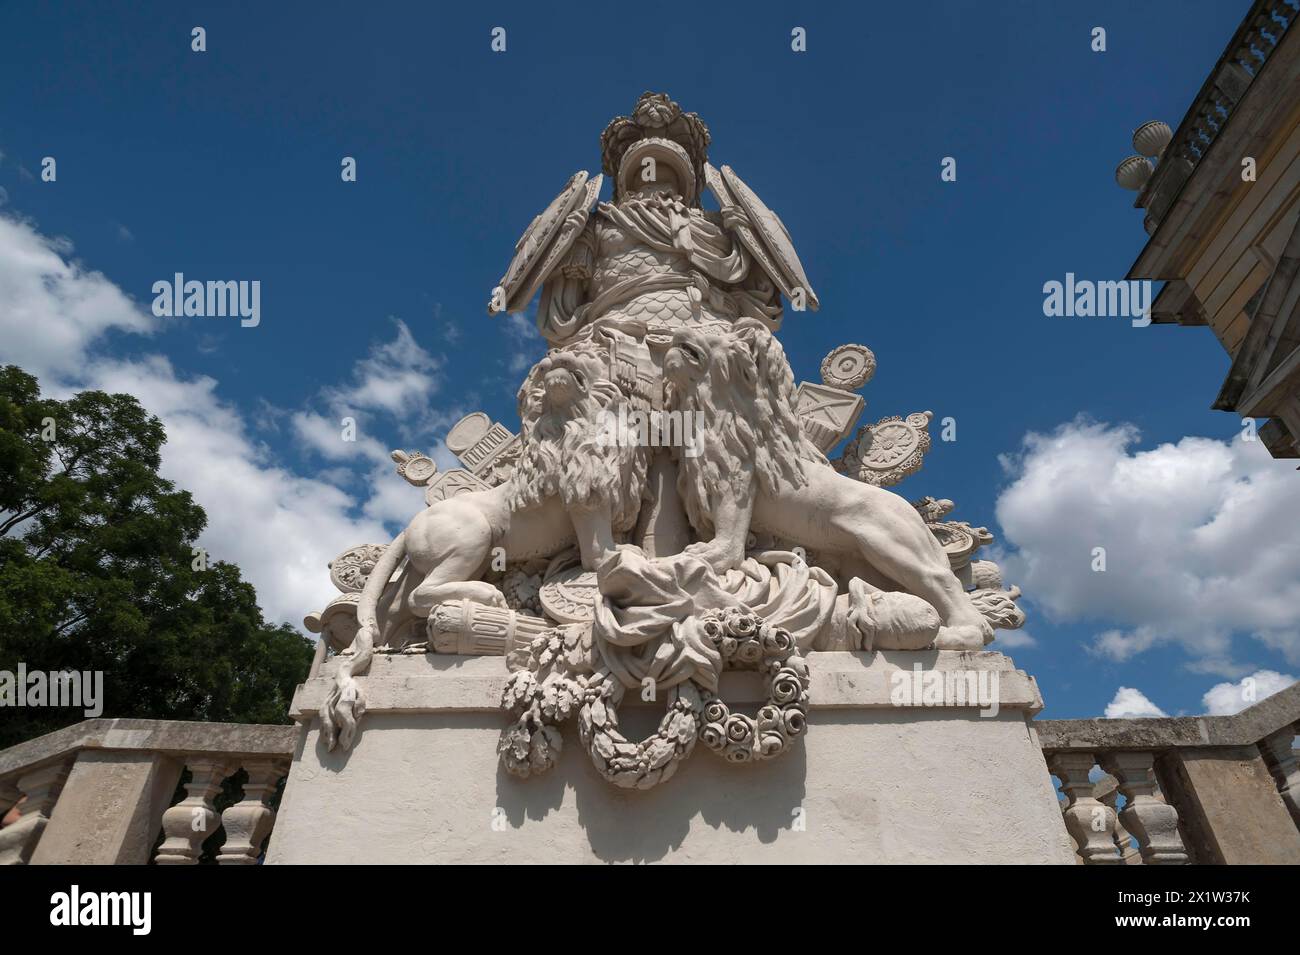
x=1225, y=699
x=1197, y=549
x=1015, y=639
x=51, y=308
x=1131, y=704
x=280, y=527
x=325, y=436
x=526, y=343
x=397, y=377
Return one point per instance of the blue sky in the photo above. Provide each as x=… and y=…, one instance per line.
x=225, y=165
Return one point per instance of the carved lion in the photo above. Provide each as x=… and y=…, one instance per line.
x=757, y=470
x=567, y=486
x=566, y=406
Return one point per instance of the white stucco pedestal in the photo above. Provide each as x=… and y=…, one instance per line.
x=876, y=779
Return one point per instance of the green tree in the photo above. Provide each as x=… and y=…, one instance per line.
x=99, y=570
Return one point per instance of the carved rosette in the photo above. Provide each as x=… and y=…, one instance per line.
x=886, y=452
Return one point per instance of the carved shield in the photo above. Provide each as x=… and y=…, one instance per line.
x=789, y=273
x=545, y=242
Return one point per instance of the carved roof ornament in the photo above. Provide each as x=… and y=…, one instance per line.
x=848, y=367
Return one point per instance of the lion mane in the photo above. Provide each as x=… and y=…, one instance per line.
x=566, y=452
x=751, y=433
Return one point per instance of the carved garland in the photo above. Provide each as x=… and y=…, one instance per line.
x=549, y=691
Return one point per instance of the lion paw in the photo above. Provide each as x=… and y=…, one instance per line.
x=718, y=556
x=343, y=708
x=963, y=637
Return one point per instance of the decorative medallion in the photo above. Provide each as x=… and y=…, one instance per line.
x=848, y=367
x=570, y=596
x=349, y=570
x=415, y=468
x=886, y=452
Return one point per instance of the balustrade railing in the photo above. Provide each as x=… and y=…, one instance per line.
x=1245, y=56
x=1167, y=791
x=105, y=791
x=1211, y=789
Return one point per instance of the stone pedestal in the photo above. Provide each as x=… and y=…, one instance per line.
x=879, y=777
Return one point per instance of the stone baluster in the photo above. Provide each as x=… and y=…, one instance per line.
x=1151, y=820
x=249, y=821
x=1107, y=790
x=41, y=788
x=1282, y=762
x=189, y=823
x=1087, y=819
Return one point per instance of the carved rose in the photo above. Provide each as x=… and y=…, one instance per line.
x=737, y=754
x=713, y=736
x=786, y=687
x=740, y=729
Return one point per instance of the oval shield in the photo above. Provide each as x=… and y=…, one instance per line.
x=547, y=238
x=773, y=233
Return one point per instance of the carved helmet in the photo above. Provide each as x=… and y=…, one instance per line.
x=647, y=154
x=656, y=117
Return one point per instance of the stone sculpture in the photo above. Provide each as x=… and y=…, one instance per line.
x=597, y=565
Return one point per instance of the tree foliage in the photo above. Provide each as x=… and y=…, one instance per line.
x=99, y=570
